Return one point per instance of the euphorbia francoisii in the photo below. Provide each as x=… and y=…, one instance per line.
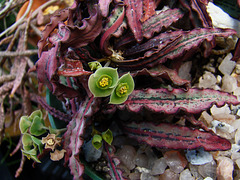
x=137, y=42
x=105, y=82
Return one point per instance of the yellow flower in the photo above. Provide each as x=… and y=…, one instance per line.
x=51, y=141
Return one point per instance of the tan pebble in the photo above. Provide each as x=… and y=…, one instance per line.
x=169, y=175
x=175, y=160
x=227, y=118
x=206, y=118
x=237, y=136
x=224, y=168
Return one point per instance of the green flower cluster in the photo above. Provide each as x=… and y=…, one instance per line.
x=98, y=138
x=105, y=81
x=31, y=126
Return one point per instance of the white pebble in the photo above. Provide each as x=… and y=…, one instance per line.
x=220, y=110
x=146, y=176
x=159, y=166
x=229, y=83
x=208, y=169
x=184, y=70
x=221, y=19
x=238, y=163
x=207, y=80
x=237, y=137
x=198, y=156
x=208, y=178
x=126, y=155
x=186, y=174
x=226, y=67
x=222, y=126
x=141, y=160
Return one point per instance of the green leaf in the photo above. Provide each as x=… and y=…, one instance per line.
x=24, y=124
x=27, y=140
x=31, y=154
x=27, y=148
x=53, y=130
x=123, y=89
x=38, y=142
x=37, y=127
x=94, y=65
x=103, y=81
x=34, y=114
x=108, y=136
x=34, y=157
x=97, y=141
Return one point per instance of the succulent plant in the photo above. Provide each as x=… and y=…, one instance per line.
x=144, y=46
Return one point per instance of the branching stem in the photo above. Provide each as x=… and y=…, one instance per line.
x=22, y=53
x=20, y=21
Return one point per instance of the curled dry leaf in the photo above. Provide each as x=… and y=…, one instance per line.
x=57, y=155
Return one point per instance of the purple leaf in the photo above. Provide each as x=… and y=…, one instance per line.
x=163, y=19
x=104, y=7
x=114, y=22
x=154, y=45
x=197, y=13
x=54, y=112
x=72, y=68
x=73, y=136
x=201, y=9
x=126, y=39
x=80, y=54
x=70, y=34
x=61, y=16
x=87, y=32
x=163, y=72
x=184, y=42
x=46, y=67
x=170, y=102
x=113, y=162
x=236, y=56
x=134, y=14
x=149, y=7
x=62, y=34
x=175, y=137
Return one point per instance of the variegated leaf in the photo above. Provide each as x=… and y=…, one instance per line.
x=134, y=14
x=114, y=22
x=163, y=19
x=73, y=136
x=172, y=136
x=170, y=102
x=184, y=42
